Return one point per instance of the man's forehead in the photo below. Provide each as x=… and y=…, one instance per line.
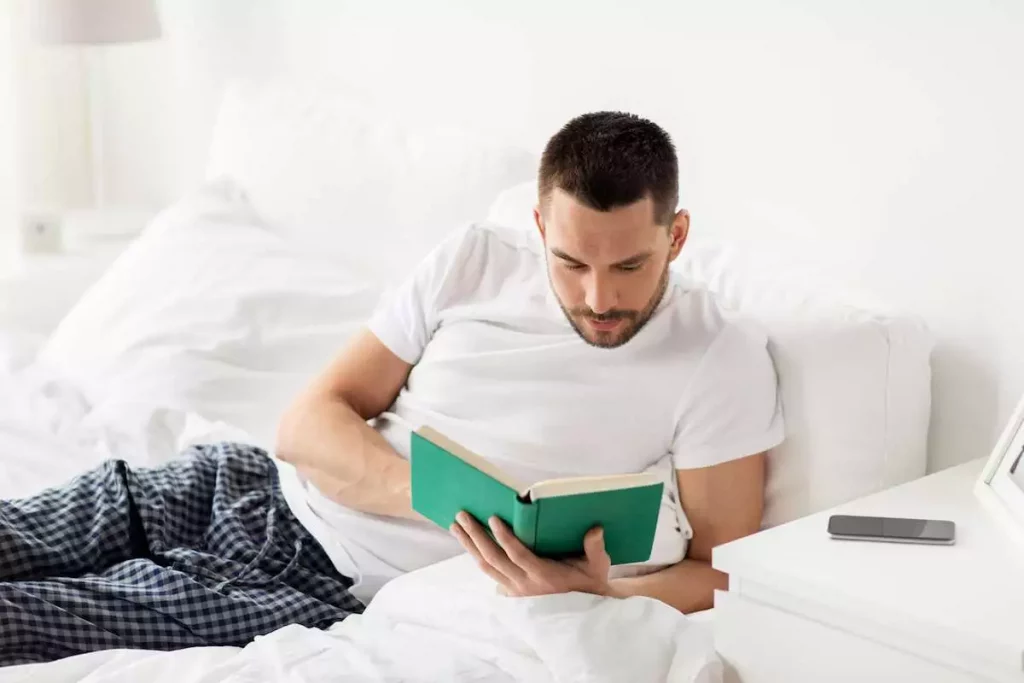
x=591, y=236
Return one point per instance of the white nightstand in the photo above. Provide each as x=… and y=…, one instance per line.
x=804, y=607
x=37, y=290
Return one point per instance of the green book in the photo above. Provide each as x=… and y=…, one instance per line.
x=549, y=517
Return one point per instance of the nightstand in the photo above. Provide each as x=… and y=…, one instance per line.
x=804, y=607
x=37, y=290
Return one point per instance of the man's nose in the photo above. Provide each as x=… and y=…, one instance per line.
x=600, y=296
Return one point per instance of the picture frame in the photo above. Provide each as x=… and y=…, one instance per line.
x=1000, y=487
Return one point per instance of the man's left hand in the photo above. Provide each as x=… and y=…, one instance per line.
x=520, y=573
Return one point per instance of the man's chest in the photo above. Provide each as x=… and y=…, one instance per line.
x=536, y=395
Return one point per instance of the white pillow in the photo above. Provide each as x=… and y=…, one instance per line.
x=856, y=383
x=335, y=174
x=210, y=313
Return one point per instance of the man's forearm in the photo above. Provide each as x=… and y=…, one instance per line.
x=688, y=586
x=345, y=458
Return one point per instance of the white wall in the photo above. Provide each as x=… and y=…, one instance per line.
x=139, y=125
x=880, y=139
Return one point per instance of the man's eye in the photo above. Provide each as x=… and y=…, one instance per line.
x=575, y=266
x=631, y=267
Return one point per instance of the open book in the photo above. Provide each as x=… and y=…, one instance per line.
x=549, y=517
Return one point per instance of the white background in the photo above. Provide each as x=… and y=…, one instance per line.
x=882, y=140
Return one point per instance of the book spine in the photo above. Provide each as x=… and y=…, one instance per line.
x=524, y=522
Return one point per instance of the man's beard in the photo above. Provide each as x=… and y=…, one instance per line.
x=635, y=320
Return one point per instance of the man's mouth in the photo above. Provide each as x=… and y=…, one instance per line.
x=604, y=325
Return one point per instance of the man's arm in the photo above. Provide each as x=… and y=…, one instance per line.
x=325, y=436
x=723, y=503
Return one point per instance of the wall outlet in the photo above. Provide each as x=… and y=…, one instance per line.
x=40, y=233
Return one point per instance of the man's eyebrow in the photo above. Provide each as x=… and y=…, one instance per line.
x=565, y=257
x=633, y=260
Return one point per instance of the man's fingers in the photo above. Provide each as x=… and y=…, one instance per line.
x=471, y=548
x=490, y=551
x=522, y=556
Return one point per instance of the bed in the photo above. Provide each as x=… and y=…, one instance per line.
x=314, y=205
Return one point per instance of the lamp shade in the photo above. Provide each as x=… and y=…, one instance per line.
x=93, y=22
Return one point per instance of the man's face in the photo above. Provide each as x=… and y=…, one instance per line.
x=608, y=269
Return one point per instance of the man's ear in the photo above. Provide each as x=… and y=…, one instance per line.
x=678, y=232
x=539, y=220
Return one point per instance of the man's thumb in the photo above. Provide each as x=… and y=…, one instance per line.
x=593, y=545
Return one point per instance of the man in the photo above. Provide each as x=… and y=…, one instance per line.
x=566, y=352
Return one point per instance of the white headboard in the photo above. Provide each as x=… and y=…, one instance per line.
x=880, y=141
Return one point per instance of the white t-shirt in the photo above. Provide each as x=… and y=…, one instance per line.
x=499, y=369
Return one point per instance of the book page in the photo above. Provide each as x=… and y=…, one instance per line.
x=463, y=453
x=574, y=485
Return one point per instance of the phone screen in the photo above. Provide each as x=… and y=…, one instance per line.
x=892, y=527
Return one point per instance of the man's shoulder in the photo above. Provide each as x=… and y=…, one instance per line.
x=704, y=318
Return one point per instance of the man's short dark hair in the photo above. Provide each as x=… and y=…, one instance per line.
x=609, y=159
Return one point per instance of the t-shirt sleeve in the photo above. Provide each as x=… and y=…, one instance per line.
x=732, y=407
x=407, y=317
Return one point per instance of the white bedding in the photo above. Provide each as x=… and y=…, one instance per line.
x=43, y=425
x=211, y=313
x=444, y=622
x=49, y=430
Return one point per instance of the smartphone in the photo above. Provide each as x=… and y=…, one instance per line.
x=892, y=529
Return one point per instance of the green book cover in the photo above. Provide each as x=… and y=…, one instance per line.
x=549, y=517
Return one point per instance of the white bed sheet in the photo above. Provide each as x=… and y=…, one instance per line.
x=444, y=622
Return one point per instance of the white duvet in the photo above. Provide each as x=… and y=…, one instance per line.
x=442, y=623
